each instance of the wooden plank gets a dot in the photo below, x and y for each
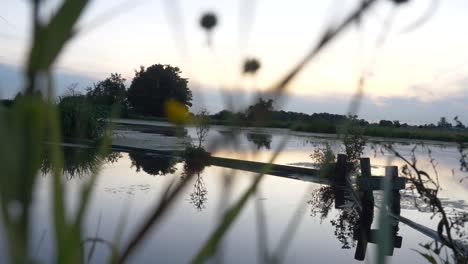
(304, 174)
(258, 166)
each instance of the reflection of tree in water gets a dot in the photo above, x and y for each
(345, 224)
(260, 140)
(80, 162)
(196, 159)
(198, 196)
(153, 164)
(346, 219)
(321, 202)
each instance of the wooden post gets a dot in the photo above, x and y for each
(365, 167)
(340, 169)
(394, 199)
(339, 180)
(392, 172)
(362, 233)
(393, 204)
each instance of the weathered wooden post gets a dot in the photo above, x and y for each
(362, 233)
(340, 169)
(394, 201)
(339, 180)
(393, 205)
(365, 167)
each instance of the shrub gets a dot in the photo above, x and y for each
(79, 118)
(196, 159)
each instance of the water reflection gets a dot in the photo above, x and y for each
(199, 194)
(79, 162)
(195, 161)
(353, 222)
(153, 164)
(259, 140)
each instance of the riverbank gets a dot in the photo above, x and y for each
(412, 133)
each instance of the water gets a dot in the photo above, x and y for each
(129, 188)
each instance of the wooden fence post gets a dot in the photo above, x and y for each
(365, 167)
(341, 169)
(362, 233)
(393, 204)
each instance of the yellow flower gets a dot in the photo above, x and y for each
(176, 112)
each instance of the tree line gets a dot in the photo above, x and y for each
(152, 87)
(262, 112)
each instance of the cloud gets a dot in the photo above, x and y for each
(451, 84)
(12, 82)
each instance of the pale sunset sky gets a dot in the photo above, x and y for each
(418, 73)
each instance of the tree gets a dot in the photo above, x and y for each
(260, 111)
(202, 126)
(443, 123)
(385, 123)
(154, 86)
(459, 123)
(110, 92)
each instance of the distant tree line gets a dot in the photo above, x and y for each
(152, 87)
(262, 113)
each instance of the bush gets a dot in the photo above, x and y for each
(196, 159)
(79, 118)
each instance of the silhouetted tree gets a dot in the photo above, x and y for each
(202, 126)
(223, 115)
(153, 86)
(385, 123)
(260, 111)
(443, 123)
(459, 123)
(111, 91)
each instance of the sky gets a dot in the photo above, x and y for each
(415, 72)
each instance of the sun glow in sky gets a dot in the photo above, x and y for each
(428, 61)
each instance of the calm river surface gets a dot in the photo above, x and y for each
(129, 188)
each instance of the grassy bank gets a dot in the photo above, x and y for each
(393, 132)
(326, 127)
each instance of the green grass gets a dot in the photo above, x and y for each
(417, 133)
(327, 127)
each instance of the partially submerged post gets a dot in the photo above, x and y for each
(366, 214)
(365, 167)
(340, 170)
(339, 180)
(392, 198)
(364, 234)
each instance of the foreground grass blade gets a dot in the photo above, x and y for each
(50, 39)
